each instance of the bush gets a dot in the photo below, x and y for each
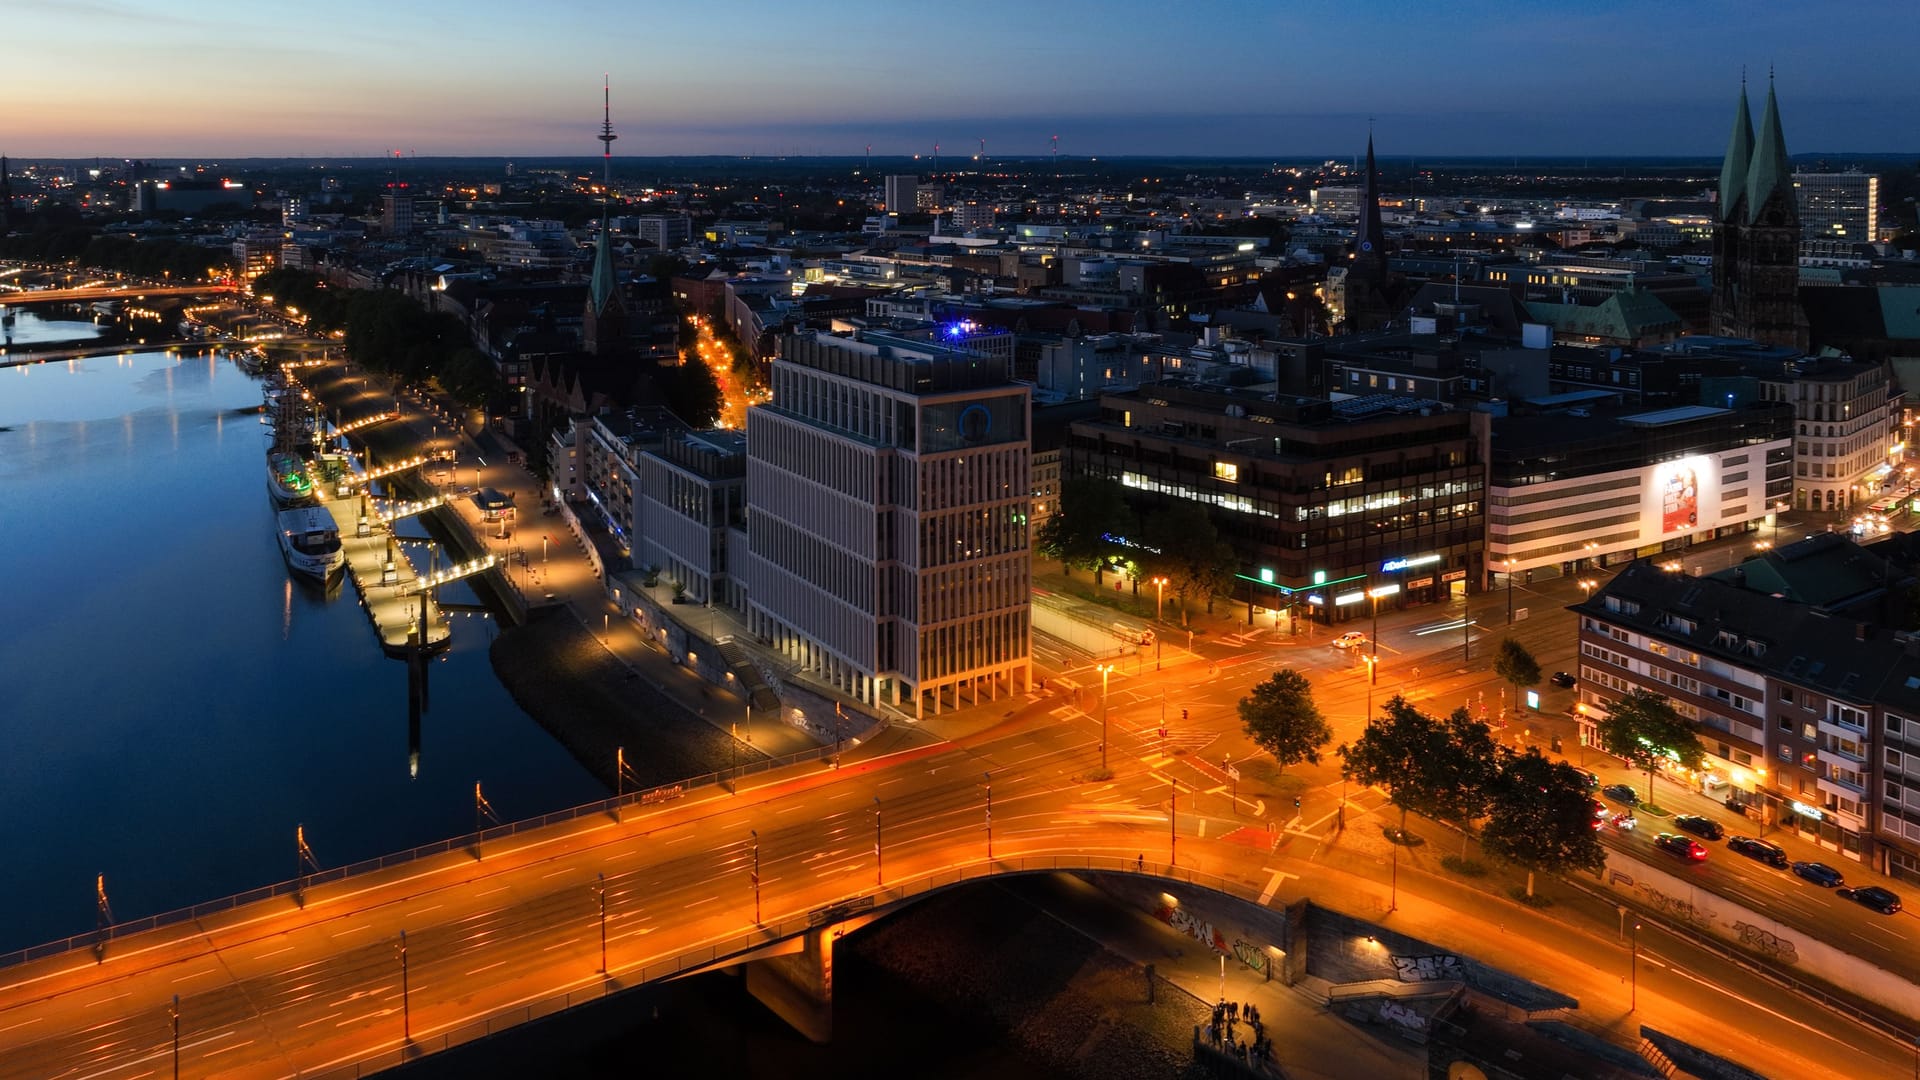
(1519, 893)
(1464, 866)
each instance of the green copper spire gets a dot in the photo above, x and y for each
(1770, 173)
(1733, 173)
(601, 291)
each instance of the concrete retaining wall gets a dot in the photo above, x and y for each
(1765, 938)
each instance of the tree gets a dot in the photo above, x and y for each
(691, 393)
(1281, 718)
(1541, 817)
(470, 378)
(1643, 727)
(1442, 769)
(1183, 545)
(1516, 665)
(1080, 532)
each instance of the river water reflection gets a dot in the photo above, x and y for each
(172, 705)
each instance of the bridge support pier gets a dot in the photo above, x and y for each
(798, 987)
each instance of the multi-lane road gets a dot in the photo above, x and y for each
(276, 989)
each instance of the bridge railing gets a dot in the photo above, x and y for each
(647, 797)
(733, 946)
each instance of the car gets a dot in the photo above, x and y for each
(1587, 778)
(1884, 901)
(1562, 679)
(1699, 826)
(1622, 793)
(1352, 639)
(1819, 873)
(1684, 846)
(1755, 848)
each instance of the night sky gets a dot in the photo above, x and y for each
(1115, 77)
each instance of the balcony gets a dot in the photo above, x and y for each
(1833, 755)
(1841, 788)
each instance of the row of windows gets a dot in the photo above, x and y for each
(972, 534)
(959, 593)
(970, 646)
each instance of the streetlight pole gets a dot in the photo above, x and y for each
(755, 833)
(879, 874)
(1105, 670)
(1633, 1001)
(1509, 592)
(1159, 598)
(1173, 834)
(603, 924)
(406, 1000)
(989, 779)
(175, 1013)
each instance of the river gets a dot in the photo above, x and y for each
(172, 704)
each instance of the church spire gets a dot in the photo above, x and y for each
(1771, 173)
(1370, 242)
(1733, 172)
(604, 331)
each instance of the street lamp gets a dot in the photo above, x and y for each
(1105, 670)
(175, 1013)
(603, 924)
(406, 1003)
(1509, 592)
(1173, 813)
(989, 779)
(755, 833)
(1633, 1001)
(1159, 597)
(879, 876)
(1587, 585)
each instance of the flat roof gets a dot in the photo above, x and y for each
(1678, 415)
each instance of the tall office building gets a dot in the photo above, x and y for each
(396, 210)
(1838, 211)
(900, 193)
(887, 535)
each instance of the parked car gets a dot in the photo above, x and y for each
(1819, 873)
(1592, 781)
(1699, 826)
(1684, 846)
(1755, 848)
(1621, 793)
(1352, 639)
(1884, 901)
(1561, 678)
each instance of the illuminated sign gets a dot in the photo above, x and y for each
(1683, 497)
(1348, 598)
(1383, 590)
(1319, 577)
(1317, 600)
(1391, 565)
(1266, 574)
(1533, 700)
(1804, 810)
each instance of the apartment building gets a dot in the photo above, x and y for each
(1806, 703)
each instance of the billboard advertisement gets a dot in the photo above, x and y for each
(1682, 497)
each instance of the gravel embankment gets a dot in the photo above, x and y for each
(1062, 998)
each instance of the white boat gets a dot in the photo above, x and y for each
(311, 543)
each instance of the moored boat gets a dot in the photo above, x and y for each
(311, 543)
(287, 479)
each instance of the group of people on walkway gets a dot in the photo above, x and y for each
(1227, 1015)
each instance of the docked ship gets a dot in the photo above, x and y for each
(287, 479)
(311, 543)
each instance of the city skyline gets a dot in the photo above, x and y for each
(1228, 79)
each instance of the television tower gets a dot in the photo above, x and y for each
(1056, 157)
(869, 167)
(606, 135)
(983, 148)
(936, 158)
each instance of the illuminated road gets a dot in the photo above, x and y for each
(88, 293)
(273, 989)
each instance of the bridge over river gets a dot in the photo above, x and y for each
(352, 970)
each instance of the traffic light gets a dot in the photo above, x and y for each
(1183, 714)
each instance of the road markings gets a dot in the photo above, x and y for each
(275, 952)
(1273, 883)
(23, 1023)
(697, 903)
(225, 1049)
(489, 967)
(490, 892)
(102, 1001)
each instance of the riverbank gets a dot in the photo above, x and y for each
(592, 703)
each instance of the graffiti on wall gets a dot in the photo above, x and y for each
(1435, 967)
(1198, 929)
(1674, 907)
(1767, 943)
(1395, 1013)
(1251, 955)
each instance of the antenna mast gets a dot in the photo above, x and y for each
(606, 136)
